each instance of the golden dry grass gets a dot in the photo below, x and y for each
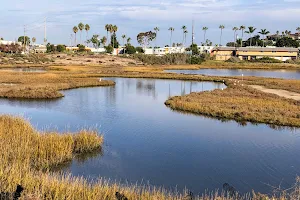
(43, 85)
(240, 103)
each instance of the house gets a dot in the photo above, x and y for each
(250, 53)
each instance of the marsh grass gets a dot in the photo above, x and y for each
(240, 103)
(44, 85)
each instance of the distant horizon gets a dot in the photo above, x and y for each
(133, 17)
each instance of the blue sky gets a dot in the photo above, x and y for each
(134, 16)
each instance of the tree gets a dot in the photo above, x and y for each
(81, 48)
(287, 42)
(221, 27)
(81, 27)
(254, 40)
(171, 29)
(130, 49)
(194, 49)
(60, 48)
(156, 29)
(204, 30)
(75, 30)
(114, 30)
(108, 29)
(139, 50)
(264, 32)
(144, 39)
(235, 29)
(109, 49)
(87, 28)
(242, 28)
(33, 40)
(250, 31)
(114, 41)
(95, 41)
(103, 40)
(128, 40)
(298, 30)
(21, 39)
(183, 35)
(124, 37)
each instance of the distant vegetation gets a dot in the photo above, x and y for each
(169, 59)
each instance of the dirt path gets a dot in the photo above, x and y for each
(282, 93)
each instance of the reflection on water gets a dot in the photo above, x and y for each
(146, 141)
(285, 74)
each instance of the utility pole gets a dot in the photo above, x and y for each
(45, 31)
(193, 33)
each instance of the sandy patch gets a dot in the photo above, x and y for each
(282, 93)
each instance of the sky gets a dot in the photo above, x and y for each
(135, 16)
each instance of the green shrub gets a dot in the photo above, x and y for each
(109, 49)
(81, 48)
(61, 48)
(266, 60)
(130, 49)
(233, 60)
(140, 50)
(169, 59)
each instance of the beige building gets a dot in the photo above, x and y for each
(251, 53)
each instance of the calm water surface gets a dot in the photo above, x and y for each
(146, 141)
(285, 74)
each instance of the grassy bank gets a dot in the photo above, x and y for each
(43, 85)
(248, 65)
(26, 156)
(240, 103)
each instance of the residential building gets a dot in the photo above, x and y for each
(250, 53)
(205, 49)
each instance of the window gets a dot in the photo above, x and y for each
(273, 51)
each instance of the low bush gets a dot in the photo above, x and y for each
(169, 59)
(266, 60)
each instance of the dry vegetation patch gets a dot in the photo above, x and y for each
(240, 104)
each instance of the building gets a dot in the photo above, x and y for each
(251, 53)
(39, 48)
(4, 42)
(205, 49)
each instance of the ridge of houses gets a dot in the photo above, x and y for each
(220, 53)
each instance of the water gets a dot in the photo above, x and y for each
(284, 74)
(146, 141)
(36, 70)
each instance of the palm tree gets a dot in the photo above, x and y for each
(114, 29)
(128, 40)
(242, 28)
(235, 29)
(81, 27)
(204, 29)
(108, 29)
(298, 29)
(75, 30)
(185, 33)
(250, 31)
(124, 37)
(103, 40)
(156, 29)
(171, 29)
(87, 28)
(264, 32)
(183, 30)
(221, 27)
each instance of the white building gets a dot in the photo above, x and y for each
(205, 49)
(4, 42)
